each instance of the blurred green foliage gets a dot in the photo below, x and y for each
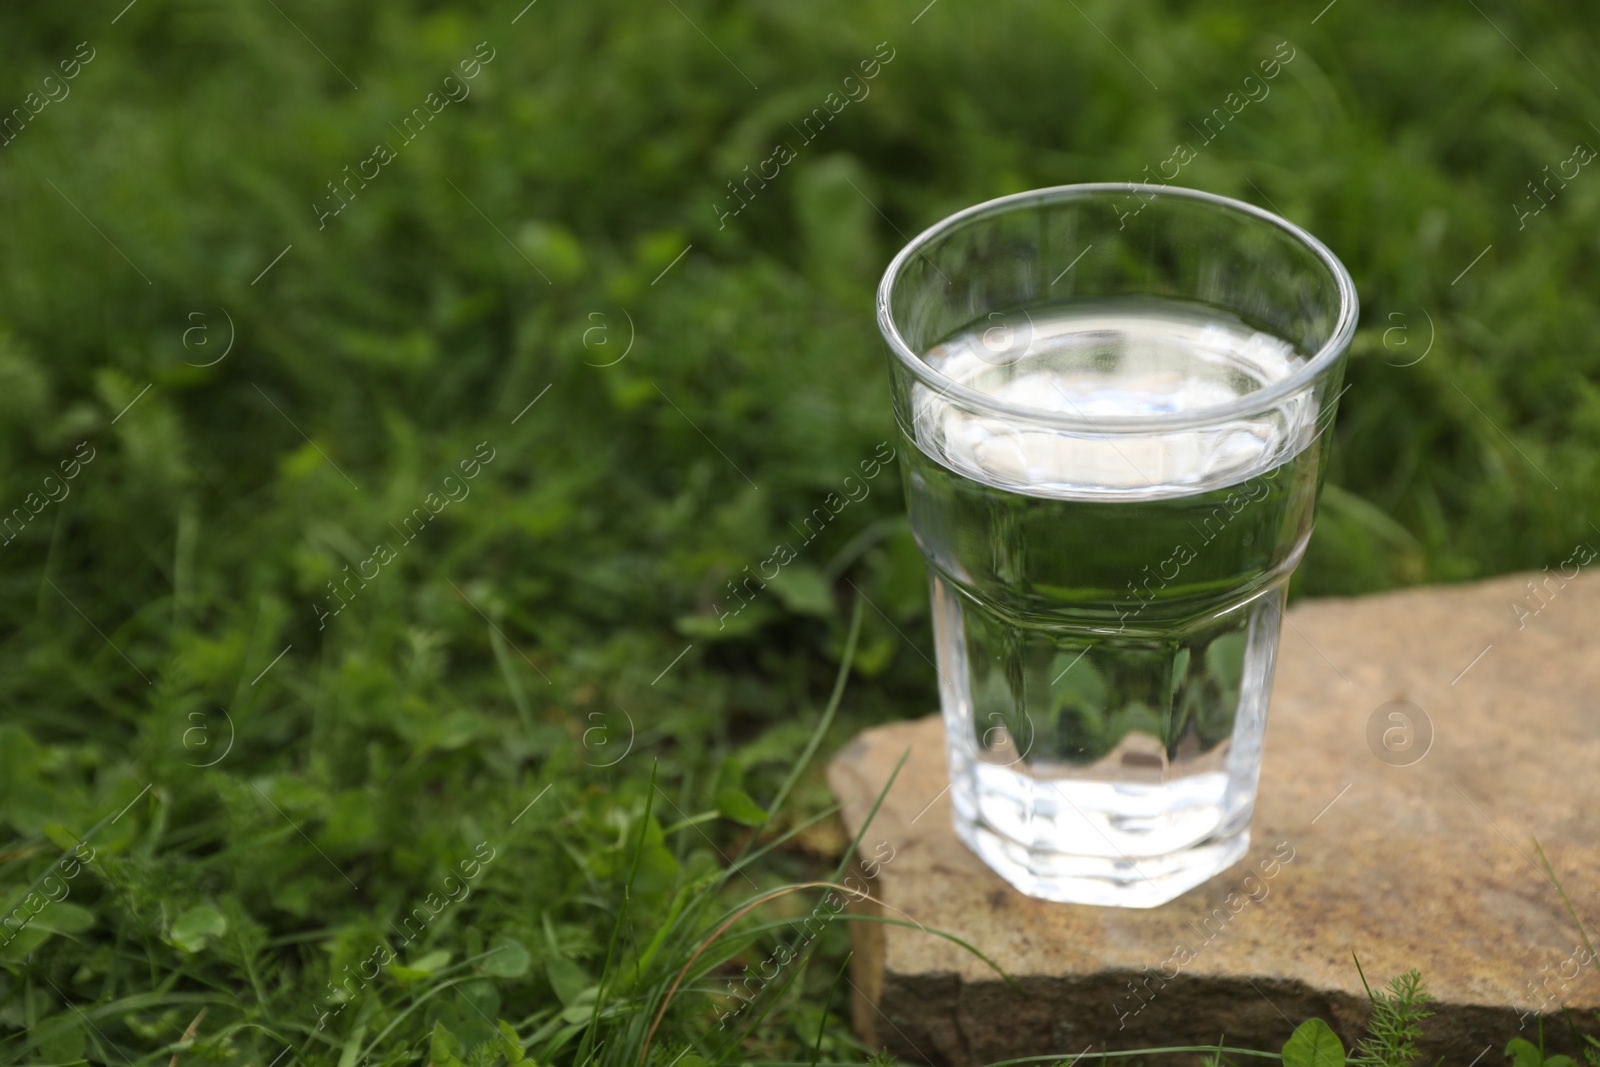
(293, 785)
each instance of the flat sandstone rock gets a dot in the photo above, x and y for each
(1427, 864)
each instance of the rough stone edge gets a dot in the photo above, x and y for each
(987, 1021)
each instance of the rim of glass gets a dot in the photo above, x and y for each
(1325, 357)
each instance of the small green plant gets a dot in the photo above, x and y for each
(1524, 1053)
(1392, 1031)
(1313, 1044)
(1397, 1015)
(1591, 1045)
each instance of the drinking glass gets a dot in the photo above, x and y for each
(1114, 401)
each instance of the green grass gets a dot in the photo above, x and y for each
(267, 791)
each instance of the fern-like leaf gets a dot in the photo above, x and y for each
(1396, 1023)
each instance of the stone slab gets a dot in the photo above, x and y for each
(1428, 865)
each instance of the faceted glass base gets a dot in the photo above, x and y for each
(1144, 882)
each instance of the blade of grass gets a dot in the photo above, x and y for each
(844, 861)
(1566, 900)
(693, 820)
(648, 956)
(782, 838)
(1572, 1026)
(586, 1046)
(746, 908)
(432, 991)
(519, 697)
(858, 545)
(352, 1045)
(750, 905)
(991, 964)
(827, 1006)
(734, 1042)
(1363, 976)
(827, 714)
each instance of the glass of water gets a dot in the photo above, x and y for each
(1115, 402)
